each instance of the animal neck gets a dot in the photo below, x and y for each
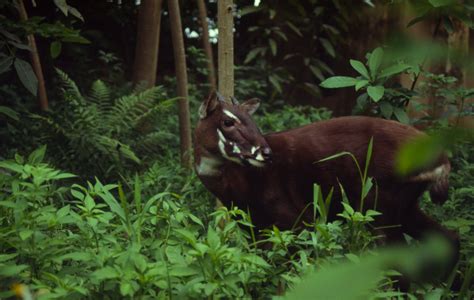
(207, 164)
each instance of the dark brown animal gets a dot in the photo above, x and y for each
(272, 175)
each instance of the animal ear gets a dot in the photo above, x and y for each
(210, 104)
(251, 105)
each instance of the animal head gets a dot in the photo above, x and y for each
(227, 130)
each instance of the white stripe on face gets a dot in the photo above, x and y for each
(236, 149)
(231, 115)
(259, 157)
(221, 136)
(254, 149)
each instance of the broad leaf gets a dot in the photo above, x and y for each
(401, 115)
(375, 60)
(359, 67)
(9, 113)
(55, 49)
(5, 64)
(338, 82)
(376, 92)
(393, 70)
(26, 75)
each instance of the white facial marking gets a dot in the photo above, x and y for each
(231, 115)
(208, 166)
(236, 149)
(259, 157)
(254, 149)
(256, 163)
(221, 136)
(222, 150)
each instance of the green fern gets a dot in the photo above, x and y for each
(102, 131)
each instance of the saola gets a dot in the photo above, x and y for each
(272, 175)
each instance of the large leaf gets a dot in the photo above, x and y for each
(393, 70)
(9, 113)
(26, 75)
(338, 82)
(376, 92)
(55, 49)
(62, 5)
(5, 64)
(375, 60)
(359, 67)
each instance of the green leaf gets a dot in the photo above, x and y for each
(375, 60)
(328, 47)
(294, 28)
(105, 273)
(393, 70)
(275, 82)
(360, 67)
(5, 64)
(9, 113)
(360, 84)
(386, 109)
(10, 270)
(338, 82)
(55, 49)
(62, 5)
(376, 92)
(273, 46)
(26, 75)
(25, 234)
(441, 3)
(317, 72)
(77, 256)
(252, 54)
(37, 156)
(75, 13)
(401, 115)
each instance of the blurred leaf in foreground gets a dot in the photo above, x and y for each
(359, 280)
(425, 150)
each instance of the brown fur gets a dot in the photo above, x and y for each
(277, 193)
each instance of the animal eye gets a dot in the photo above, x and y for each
(228, 123)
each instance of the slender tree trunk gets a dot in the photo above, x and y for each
(148, 39)
(225, 24)
(182, 78)
(35, 60)
(206, 44)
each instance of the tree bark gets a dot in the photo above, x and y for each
(148, 39)
(206, 44)
(182, 79)
(225, 24)
(35, 60)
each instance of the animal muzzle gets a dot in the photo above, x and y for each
(257, 156)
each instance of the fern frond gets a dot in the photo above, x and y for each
(69, 86)
(100, 95)
(128, 109)
(116, 149)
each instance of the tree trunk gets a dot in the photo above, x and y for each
(211, 71)
(225, 24)
(148, 39)
(182, 78)
(35, 60)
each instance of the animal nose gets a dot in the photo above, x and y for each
(267, 152)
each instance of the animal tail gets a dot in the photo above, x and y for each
(438, 177)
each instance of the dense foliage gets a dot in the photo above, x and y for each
(94, 203)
